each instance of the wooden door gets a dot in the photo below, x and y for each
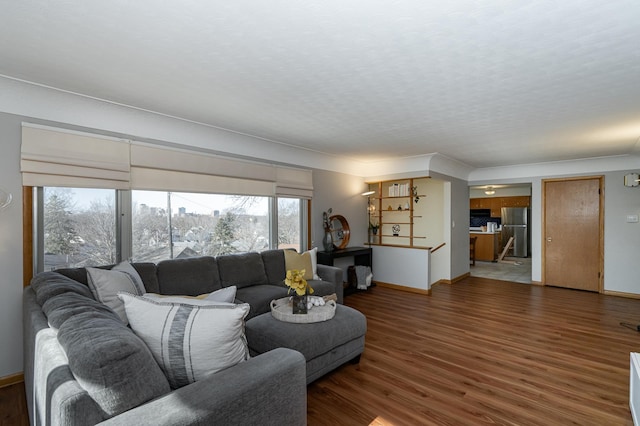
(572, 240)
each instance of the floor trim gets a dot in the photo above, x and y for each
(11, 380)
(404, 288)
(621, 294)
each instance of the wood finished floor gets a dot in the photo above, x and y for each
(476, 352)
(485, 352)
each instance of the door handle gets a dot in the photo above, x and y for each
(548, 239)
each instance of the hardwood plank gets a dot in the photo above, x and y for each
(13, 405)
(485, 352)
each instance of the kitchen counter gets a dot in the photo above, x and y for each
(486, 245)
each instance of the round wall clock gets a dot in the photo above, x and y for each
(340, 231)
(396, 230)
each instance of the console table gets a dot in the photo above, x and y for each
(361, 256)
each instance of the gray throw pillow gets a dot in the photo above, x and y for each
(105, 285)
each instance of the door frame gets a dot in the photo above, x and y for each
(600, 179)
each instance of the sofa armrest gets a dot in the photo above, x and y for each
(269, 389)
(334, 275)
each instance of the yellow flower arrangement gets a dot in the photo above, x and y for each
(295, 281)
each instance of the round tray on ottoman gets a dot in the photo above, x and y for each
(281, 310)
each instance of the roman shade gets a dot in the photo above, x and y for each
(294, 183)
(61, 157)
(56, 157)
(170, 169)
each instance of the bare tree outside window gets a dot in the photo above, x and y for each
(79, 227)
(289, 223)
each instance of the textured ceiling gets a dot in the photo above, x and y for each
(487, 82)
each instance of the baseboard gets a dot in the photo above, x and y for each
(404, 288)
(537, 283)
(621, 294)
(454, 280)
(11, 380)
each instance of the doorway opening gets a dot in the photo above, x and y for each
(503, 231)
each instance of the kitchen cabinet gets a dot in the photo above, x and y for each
(480, 203)
(496, 203)
(486, 245)
(519, 201)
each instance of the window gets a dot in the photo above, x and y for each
(79, 227)
(168, 225)
(290, 223)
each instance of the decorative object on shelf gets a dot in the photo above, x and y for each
(414, 192)
(5, 199)
(396, 230)
(340, 231)
(399, 207)
(296, 282)
(374, 226)
(389, 208)
(407, 206)
(327, 240)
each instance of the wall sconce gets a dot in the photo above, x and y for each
(5, 199)
(631, 179)
(490, 190)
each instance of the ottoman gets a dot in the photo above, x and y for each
(325, 345)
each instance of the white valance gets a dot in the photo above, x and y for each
(59, 157)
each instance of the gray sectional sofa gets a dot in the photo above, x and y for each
(83, 366)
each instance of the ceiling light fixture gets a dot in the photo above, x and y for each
(489, 190)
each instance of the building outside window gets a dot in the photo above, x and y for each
(169, 225)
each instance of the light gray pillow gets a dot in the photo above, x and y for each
(189, 340)
(105, 285)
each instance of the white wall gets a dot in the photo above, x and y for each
(621, 238)
(11, 249)
(342, 193)
(402, 266)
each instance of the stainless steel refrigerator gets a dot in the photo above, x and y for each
(515, 223)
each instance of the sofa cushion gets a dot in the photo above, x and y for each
(242, 270)
(105, 285)
(110, 362)
(265, 333)
(63, 306)
(49, 284)
(189, 341)
(301, 262)
(190, 276)
(273, 261)
(224, 295)
(259, 297)
(146, 270)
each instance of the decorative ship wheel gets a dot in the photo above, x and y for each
(340, 231)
